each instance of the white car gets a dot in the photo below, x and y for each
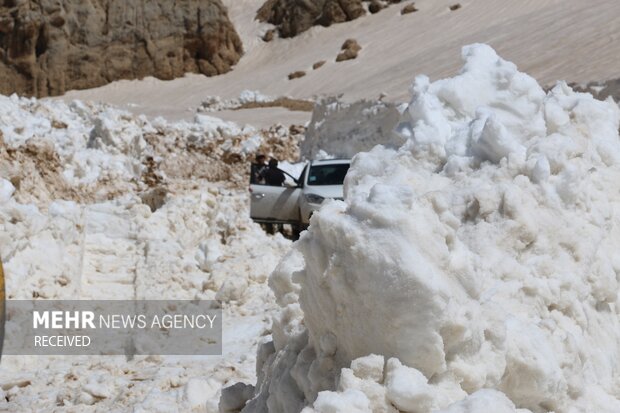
(294, 203)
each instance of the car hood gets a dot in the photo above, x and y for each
(326, 191)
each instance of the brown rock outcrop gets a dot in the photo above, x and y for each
(48, 47)
(375, 6)
(409, 8)
(296, 75)
(269, 35)
(349, 50)
(318, 64)
(296, 16)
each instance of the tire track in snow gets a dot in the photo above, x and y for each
(112, 254)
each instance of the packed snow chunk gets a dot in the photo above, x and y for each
(208, 254)
(407, 388)
(251, 145)
(250, 96)
(216, 126)
(350, 401)
(481, 254)
(114, 131)
(366, 375)
(369, 367)
(197, 392)
(281, 279)
(404, 389)
(6, 190)
(216, 103)
(483, 401)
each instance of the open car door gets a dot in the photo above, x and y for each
(274, 203)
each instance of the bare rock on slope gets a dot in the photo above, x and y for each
(269, 35)
(600, 90)
(375, 6)
(296, 75)
(48, 47)
(409, 8)
(349, 50)
(296, 16)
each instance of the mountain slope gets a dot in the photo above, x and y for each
(551, 39)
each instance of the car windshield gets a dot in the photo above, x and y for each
(327, 174)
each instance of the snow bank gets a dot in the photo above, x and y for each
(94, 142)
(478, 261)
(74, 224)
(199, 245)
(93, 152)
(216, 104)
(122, 250)
(343, 129)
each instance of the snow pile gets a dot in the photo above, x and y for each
(343, 129)
(75, 223)
(473, 269)
(92, 142)
(214, 127)
(200, 244)
(216, 103)
(89, 152)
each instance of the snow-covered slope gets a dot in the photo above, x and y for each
(572, 40)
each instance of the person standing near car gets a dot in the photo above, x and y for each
(258, 169)
(273, 176)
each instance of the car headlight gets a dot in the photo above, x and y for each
(314, 198)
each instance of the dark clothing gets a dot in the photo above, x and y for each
(273, 177)
(256, 173)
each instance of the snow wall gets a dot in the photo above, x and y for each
(342, 129)
(472, 269)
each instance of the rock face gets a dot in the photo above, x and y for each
(48, 47)
(296, 16)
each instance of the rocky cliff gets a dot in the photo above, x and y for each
(295, 16)
(50, 46)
